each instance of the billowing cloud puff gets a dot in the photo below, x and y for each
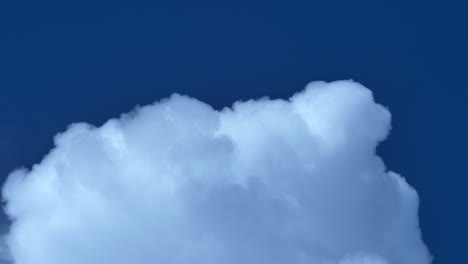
(291, 181)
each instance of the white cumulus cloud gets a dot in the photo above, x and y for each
(265, 181)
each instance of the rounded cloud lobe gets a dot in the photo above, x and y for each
(265, 181)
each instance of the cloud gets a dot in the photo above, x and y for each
(266, 181)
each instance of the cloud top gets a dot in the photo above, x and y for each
(291, 181)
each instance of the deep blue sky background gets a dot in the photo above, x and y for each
(74, 61)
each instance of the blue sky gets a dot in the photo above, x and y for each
(67, 62)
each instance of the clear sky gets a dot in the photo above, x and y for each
(63, 62)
